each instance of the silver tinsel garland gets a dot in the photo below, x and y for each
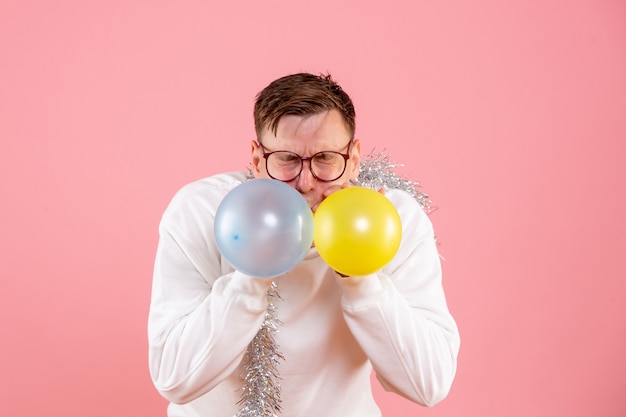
(260, 394)
(377, 172)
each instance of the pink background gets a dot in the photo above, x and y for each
(511, 114)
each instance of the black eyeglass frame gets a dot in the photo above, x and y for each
(345, 157)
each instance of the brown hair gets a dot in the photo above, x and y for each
(301, 94)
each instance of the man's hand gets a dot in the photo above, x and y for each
(329, 191)
(335, 188)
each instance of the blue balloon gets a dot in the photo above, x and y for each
(263, 228)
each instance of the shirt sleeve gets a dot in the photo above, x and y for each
(400, 316)
(202, 313)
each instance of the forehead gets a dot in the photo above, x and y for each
(320, 129)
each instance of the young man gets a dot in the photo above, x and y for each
(334, 329)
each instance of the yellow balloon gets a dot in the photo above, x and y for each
(357, 231)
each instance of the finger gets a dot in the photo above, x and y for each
(332, 189)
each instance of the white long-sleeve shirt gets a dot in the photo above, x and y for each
(203, 315)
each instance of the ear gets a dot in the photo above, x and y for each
(255, 158)
(355, 159)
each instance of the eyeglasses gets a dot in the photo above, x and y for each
(325, 166)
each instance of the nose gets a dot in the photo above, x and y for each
(305, 181)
